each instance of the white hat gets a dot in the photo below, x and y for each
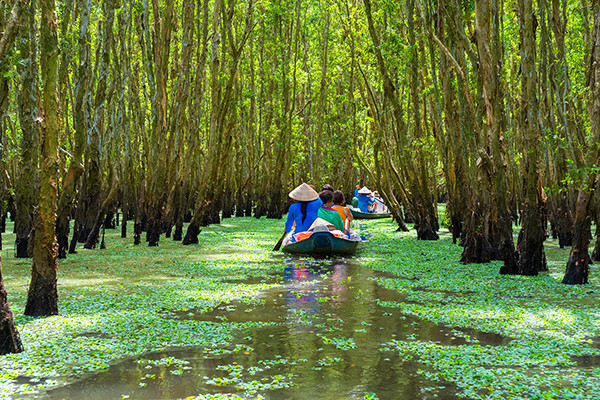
(321, 222)
(364, 190)
(304, 193)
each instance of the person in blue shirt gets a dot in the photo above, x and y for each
(303, 213)
(364, 199)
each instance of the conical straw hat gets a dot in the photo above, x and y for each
(321, 222)
(304, 193)
(364, 190)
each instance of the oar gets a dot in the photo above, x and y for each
(278, 245)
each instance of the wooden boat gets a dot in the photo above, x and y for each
(322, 243)
(357, 214)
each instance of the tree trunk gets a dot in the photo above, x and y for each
(9, 30)
(596, 252)
(42, 298)
(125, 210)
(530, 248)
(158, 185)
(478, 247)
(9, 337)
(209, 201)
(81, 113)
(450, 142)
(418, 178)
(577, 270)
(93, 236)
(65, 205)
(426, 214)
(26, 185)
(90, 198)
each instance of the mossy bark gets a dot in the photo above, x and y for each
(125, 210)
(577, 270)
(65, 204)
(42, 297)
(220, 135)
(99, 216)
(596, 251)
(91, 195)
(530, 248)
(191, 236)
(477, 247)
(9, 337)
(27, 185)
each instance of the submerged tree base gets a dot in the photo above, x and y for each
(507, 253)
(427, 233)
(92, 240)
(565, 239)
(531, 260)
(578, 269)
(178, 233)
(427, 228)
(21, 247)
(10, 341)
(596, 252)
(42, 299)
(476, 250)
(191, 236)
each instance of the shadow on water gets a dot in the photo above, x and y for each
(321, 338)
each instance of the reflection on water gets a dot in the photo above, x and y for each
(323, 341)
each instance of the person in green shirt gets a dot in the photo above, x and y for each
(329, 214)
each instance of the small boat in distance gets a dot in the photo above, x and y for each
(322, 243)
(357, 214)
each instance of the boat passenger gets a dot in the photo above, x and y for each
(364, 200)
(303, 213)
(345, 213)
(327, 186)
(379, 206)
(329, 214)
(355, 198)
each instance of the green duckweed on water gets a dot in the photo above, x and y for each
(120, 303)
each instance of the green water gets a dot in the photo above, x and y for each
(320, 334)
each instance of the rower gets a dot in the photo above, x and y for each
(364, 200)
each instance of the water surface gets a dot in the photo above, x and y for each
(322, 337)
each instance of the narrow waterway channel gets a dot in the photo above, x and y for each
(320, 334)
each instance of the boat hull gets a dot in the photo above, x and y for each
(322, 244)
(363, 215)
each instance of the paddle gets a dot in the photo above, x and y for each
(278, 245)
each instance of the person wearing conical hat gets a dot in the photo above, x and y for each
(364, 199)
(304, 212)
